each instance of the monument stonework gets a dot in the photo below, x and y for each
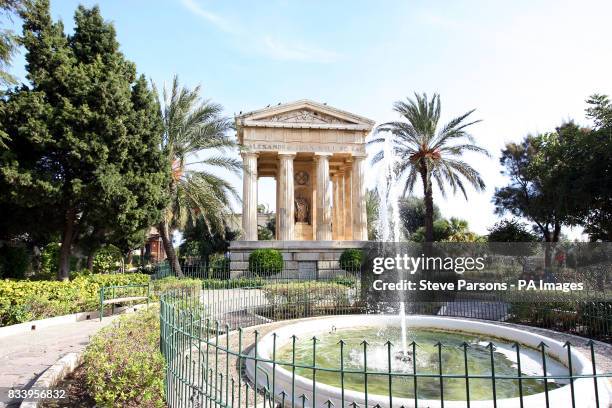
(317, 155)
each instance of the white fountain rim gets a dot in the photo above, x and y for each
(311, 326)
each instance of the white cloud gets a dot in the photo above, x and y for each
(218, 21)
(296, 52)
(264, 44)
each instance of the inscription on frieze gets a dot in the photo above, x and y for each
(306, 147)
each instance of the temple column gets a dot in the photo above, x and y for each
(249, 196)
(324, 231)
(340, 205)
(348, 203)
(360, 219)
(286, 202)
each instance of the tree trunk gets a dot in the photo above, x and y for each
(63, 272)
(90, 259)
(164, 232)
(429, 209)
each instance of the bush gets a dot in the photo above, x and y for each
(232, 284)
(22, 301)
(219, 267)
(265, 262)
(173, 283)
(303, 299)
(107, 259)
(123, 364)
(351, 259)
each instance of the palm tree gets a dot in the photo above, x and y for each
(431, 154)
(196, 144)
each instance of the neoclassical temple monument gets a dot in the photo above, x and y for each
(317, 155)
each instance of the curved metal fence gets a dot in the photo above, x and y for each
(210, 342)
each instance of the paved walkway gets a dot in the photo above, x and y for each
(24, 357)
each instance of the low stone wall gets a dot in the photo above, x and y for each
(303, 259)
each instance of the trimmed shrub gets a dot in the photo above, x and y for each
(107, 259)
(256, 282)
(303, 299)
(22, 301)
(123, 364)
(265, 262)
(351, 259)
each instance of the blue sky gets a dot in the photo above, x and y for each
(526, 66)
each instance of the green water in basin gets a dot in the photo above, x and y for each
(427, 362)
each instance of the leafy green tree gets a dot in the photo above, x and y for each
(510, 231)
(195, 142)
(582, 172)
(412, 214)
(85, 134)
(426, 151)
(533, 191)
(8, 39)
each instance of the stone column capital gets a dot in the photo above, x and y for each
(286, 155)
(248, 154)
(322, 154)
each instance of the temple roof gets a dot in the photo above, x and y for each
(303, 114)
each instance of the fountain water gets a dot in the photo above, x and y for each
(388, 210)
(389, 221)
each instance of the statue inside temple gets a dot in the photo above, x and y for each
(301, 210)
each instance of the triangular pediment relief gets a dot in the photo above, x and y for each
(304, 115)
(304, 112)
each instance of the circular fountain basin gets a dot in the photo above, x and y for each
(423, 330)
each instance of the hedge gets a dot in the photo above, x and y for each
(123, 364)
(265, 262)
(23, 301)
(302, 299)
(351, 259)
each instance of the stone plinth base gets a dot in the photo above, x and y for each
(303, 259)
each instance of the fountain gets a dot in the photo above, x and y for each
(440, 350)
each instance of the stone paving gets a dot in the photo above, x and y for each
(25, 356)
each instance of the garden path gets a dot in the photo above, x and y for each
(25, 356)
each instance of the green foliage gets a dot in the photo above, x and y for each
(107, 259)
(173, 283)
(8, 43)
(372, 213)
(256, 282)
(85, 133)
(431, 153)
(22, 301)
(265, 262)
(351, 259)
(201, 241)
(218, 267)
(303, 299)
(264, 233)
(453, 230)
(195, 126)
(49, 259)
(412, 214)
(123, 363)
(14, 261)
(510, 231)
(532, 192)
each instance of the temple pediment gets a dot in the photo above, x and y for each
(303, 114)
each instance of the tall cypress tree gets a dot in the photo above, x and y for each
(85, 134)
